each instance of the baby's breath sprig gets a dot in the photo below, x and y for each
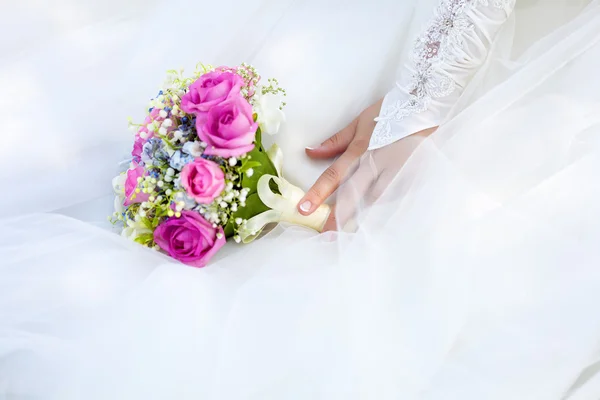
(273, 87)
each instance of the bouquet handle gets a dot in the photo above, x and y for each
(283, 208)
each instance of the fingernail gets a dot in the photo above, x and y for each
(309, 148)
(306, 206)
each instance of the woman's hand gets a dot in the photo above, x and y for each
(350, 143)
(370, 179)
(367, 178)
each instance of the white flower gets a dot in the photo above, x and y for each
(134, 229)
(119, 207)
(118, 184)
(270, 116)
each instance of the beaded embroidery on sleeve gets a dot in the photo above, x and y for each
(440, 43)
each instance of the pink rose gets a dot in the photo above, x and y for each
(229, 129)
(131, 184)
(209, 90)
(203, 180)
(190, 239)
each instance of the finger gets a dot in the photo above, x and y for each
(335, 145)
(328, 182)
(352, 194)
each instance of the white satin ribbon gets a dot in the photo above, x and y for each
(283, 206)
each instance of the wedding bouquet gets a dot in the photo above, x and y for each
(199, 173)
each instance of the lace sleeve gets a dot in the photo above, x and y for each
(445, 57)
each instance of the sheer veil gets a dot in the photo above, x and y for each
(474, 275)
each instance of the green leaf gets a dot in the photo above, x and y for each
(147, 223)
(144, 239)
(246, 165)
(264, 166)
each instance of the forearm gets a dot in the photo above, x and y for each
(446, 55)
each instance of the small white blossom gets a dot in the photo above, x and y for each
(237, 239)
(232, 161)
(167, 123)
(250, 172)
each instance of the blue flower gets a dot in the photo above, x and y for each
(153, 151)
(193, 149)
(179, 160)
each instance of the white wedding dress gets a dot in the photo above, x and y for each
(475, 276)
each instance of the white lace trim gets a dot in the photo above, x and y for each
(441, 42)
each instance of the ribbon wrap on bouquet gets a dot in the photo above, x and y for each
(283, 205)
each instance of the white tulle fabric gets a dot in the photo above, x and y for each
(474, 277)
